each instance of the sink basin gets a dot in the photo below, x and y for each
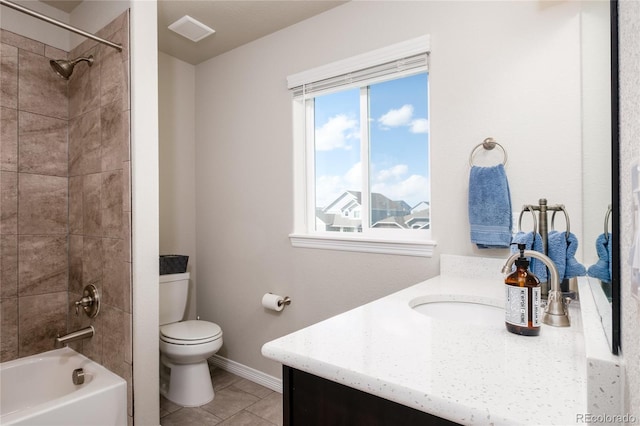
(462, 311)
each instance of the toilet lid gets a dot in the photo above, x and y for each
(191, 330)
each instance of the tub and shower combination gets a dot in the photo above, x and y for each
(61, 386)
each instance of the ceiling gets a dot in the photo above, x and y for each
(236, 22)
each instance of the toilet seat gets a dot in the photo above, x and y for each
(193, 332)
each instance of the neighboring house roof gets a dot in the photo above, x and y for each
(422, 205)
(378, 201)
(386, 213)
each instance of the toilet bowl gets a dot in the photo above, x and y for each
(184, 346)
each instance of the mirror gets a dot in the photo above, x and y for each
(600, 123)
(615, 183)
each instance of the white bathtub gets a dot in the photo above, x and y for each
(39, 390)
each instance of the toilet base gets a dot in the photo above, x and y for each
(188, 385)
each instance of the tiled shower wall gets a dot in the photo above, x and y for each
(66, 199)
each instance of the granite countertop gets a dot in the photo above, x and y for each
(458, 370)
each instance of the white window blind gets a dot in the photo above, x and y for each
(407, 57)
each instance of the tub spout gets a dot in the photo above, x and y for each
(84, 333)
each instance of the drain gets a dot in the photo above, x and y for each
(78, 376)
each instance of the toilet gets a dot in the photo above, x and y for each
(184, 346)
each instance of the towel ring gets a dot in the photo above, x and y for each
(566, 218)
(488, 144)
(535, 220)
(606, 224)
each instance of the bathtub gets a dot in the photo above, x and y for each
(39, 390)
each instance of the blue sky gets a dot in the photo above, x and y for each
(398, 131)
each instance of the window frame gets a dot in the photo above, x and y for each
(401, 242)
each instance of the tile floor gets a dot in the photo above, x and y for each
(238, 402)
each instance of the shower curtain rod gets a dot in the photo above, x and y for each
(68, 27)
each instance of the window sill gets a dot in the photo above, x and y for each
(421, 248)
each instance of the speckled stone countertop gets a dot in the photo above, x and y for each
(461, 371)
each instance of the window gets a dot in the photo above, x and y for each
(361, 143)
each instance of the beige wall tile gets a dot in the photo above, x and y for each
(76, 254)
(42, 264)
(92, 261)
(112, 204)
(9, 143)
(113, 335)
(91, 205)
(76, 193)
(126, 236)
(112, 129)
(127, 279)
(84, 87)
(40, 90)
(8, 76)
(84, 144)
(126, 138)
(21, 42)
(9, 206)
(55, 53)
(40, 319)
(8, 266)
(114, 76)
(43, 204)
(8, 329)
(113, 273)
(126, 186)
(43, 145)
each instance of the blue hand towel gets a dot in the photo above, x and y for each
(557, 250)
(531, 242)
(609, 256)
(489, 207)
(574, 268)
(601, 270)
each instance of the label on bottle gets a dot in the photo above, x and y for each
(516, 305)
(536, 302)
(516, 309)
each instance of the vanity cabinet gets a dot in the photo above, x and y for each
(309, 400)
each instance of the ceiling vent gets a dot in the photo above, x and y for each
(190, 28)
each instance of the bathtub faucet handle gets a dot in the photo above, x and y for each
(90, 301)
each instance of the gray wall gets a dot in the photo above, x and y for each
(494, 72)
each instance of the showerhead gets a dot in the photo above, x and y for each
(64, 67)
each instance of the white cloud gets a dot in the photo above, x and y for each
(394, 172)
(328, 188)
(336, 132)
(353, 178)
(420, 125)
(397, 117)
(396, 185)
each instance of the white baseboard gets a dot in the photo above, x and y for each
(245, 372)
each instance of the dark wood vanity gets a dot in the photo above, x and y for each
(309, 400)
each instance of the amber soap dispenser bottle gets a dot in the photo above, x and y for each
(522, 299)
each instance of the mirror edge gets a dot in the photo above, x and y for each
(615, 181)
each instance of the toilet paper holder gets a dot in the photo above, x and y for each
(275, 302)
(286, 301)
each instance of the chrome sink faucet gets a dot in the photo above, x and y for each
(555, 313)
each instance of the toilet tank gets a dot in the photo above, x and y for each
(174, 290)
